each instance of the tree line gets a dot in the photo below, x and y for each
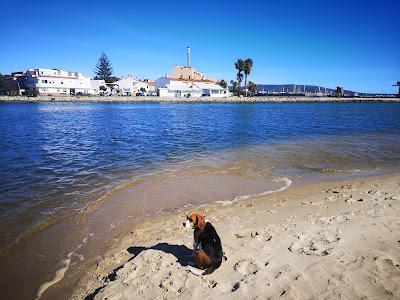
(104, 71)
(244, 67)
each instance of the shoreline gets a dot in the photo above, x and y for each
(151, 99)
(309, 226)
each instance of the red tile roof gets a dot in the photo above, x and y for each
(191, 80)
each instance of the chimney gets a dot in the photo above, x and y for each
(188, 57)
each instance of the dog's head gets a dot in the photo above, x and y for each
(195, 220)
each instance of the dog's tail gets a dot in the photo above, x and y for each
(199, 272)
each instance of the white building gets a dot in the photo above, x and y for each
(176, 87)
(58, 82)
(146, 87)
(130, 86)
(125, 85)
(99, 87)
(186, 81)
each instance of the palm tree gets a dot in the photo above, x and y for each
(234, 85)
(248, 68)
(239, 65)
(252, 87)
(239, 78)
(223, 83)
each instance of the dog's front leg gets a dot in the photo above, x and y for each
(191, 261)
(195, 245)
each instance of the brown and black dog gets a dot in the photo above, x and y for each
(207, 248)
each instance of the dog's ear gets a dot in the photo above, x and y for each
(201, 221)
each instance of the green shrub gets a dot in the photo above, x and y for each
(31, 93)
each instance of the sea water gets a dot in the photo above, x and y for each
(69, 171)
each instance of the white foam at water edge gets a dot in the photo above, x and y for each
(61, 272)
(287, 181)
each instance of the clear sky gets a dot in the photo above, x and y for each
(355, 44)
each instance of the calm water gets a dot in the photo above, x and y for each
(59, 159)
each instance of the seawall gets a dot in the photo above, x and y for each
(176, 99)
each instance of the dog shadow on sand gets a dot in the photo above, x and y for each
(181, 252)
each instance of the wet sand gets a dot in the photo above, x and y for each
(321, 240)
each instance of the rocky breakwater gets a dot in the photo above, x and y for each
(178, 99)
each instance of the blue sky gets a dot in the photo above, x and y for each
(349, 43)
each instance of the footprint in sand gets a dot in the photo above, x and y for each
(240, 235)
(331, 198)
(288, 223)
(340, 218)
(394, 197)
(281, 271)
(247, 205)
(212, 284)
(280, 203)
(388, 265)
(376, 192)
(313, 202)
(319, 244)
(246, 267)
(344, 217)
(388, 273)
(350, 200)
(340, 189)
(262, 235)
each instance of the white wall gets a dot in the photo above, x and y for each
(178, 88)
(96, 84)
(52, 81)
(164, 92)
(220, 94)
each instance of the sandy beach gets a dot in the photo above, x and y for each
(123, 129)
(318, 241)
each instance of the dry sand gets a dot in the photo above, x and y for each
(321, 241)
